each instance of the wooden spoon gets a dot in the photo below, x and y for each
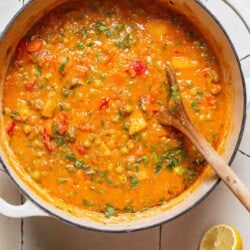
(175, 115)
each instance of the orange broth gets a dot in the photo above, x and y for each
(81, 97)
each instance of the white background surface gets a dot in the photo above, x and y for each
(183, 233)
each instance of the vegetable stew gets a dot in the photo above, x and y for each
(81, 97)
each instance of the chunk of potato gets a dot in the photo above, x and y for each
(104, 149)
(137, 122)
(159, 28)
(181, 62)
(49, 106)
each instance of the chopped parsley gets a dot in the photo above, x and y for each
(63, 65)
(109, 211)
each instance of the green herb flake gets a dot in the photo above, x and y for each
(119, 27)
(75, 85)
(175, 93)
(63, 65)
(142, 159)
(123, 42)
(14, 114)
(80, 165)
(38, 70)
(194, 106)
(69, 156)
(126, 126)
(158, 167)
(89, 79)
(134, 182)
(90, 171)
(80, 45)
(173, 162)
(101, 27)
(99, 56)
(61, 180)
(129, 209)
(190, 175)
(103, 75)
(109, 211)
(89, 43)
(120, 112)
(137, 168)
(160, 202)
(87, 203)
(65, 92)
(59, 139)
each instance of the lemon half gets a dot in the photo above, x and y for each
(221, 237)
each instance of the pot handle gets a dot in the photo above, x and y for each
(28, 209)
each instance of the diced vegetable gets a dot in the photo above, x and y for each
(63, 65)
(181, 62)
(105, 149)
(34, 46)
(139, 67)
(109, 211)
(81, 149)
(137, 122)
(104, 103)
(46, 140)
(31, 83)
(63, 123)
(216, 89)
(10, 128)
(158, 28)
(49, 106)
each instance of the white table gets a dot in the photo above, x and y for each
(183, 233)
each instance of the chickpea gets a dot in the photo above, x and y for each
(65, 40)
(110, 166)
(128, 109)
(47, 76)
(142, 175)
(98, 84)
(216, 89)
(201, 117)
(130, 145)
(123, 179)
(36, 176)
(119, 169)
(27, 129)
(124, 150)
(38, 104)
(87, 144)
(66, 27)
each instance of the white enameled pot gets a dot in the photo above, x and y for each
(231, 72)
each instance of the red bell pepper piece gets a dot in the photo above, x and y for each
(46, 140)
(81, 149)
(10, 128)
(31, 83)
(63, 123)
(104, 103)
(34, 46)
(139, 67)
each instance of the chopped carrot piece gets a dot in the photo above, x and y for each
(34, 46)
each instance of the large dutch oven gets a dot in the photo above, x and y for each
(231, 72)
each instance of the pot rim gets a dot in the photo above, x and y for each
(79, 225)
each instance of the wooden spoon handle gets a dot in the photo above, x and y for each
(219, 165)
